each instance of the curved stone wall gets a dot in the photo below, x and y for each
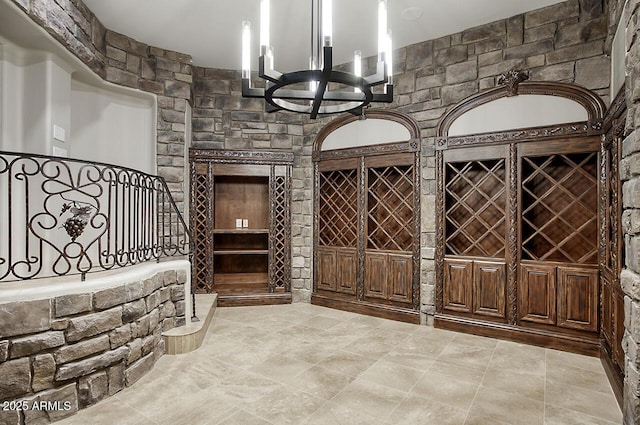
(66, 352)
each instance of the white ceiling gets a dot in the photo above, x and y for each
(209, 30)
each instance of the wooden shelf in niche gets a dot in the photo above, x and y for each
(247, 262)
(241, 242)
(242, 252)
(240, 231)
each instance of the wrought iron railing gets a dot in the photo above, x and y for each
(62, 216)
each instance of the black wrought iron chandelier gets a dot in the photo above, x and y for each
(308, 91)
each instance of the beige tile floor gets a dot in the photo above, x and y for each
(309, 365)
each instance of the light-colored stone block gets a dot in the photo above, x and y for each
(24, 317)
(16, 378)
(90, 365)
(32, 344)
(93, 324)
(81, 349)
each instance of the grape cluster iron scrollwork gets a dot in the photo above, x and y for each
(80, 215)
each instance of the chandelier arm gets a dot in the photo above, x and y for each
(248, 91)
(324, 80)
(267, 73)
(384, 97)
(380, 77)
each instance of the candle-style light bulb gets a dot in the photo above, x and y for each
(264, 26)
(327, 23)
(357, 67)
(389, 58)
(382, 27)
(313, 85)
(246, 49)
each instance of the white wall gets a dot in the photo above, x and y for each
(371, 131)
(11, 95)
(510, 113)
(114, 127)
(34, 95)
(100, 122)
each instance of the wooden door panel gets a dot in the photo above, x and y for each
(400, 277)
(347, 261)
(607, 312)
(489, 284)
(327, 269)
(375, 276)
(458, 275)
(578, 298)
(537, 294)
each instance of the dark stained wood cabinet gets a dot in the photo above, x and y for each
(476, 288)
(248, 262)
(519, 224)
(368, 230)
(347, 265)
(475, 200)
(578, 298)
(552, 212)
(489, 289)
(327, 269)
(400, 269)
(375, 271)
(458, 278)
(537, 294)
(337, 270)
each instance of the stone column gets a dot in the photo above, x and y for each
(630, 174)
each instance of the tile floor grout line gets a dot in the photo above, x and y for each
(409, 391)
(480, 384)
(231, 413)
(544, 390)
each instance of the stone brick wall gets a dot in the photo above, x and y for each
(122, 60)
(83, 347)
(630, 174)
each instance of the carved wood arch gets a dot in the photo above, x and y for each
(514, 85)
(361, 182)
(381, 114)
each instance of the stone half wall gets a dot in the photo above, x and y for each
(80, 348)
